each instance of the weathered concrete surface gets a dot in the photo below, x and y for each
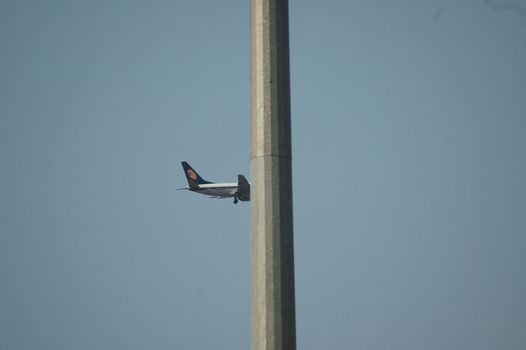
(273, 299)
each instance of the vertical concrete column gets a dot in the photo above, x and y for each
(273, 299)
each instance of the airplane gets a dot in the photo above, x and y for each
(240, 191)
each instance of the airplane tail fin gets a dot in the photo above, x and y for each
(192, 176)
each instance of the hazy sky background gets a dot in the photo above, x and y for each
(409, 157)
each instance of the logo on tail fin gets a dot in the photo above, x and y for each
(191, 174)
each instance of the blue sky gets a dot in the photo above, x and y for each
(409, 136)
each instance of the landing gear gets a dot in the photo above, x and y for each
(235, 200)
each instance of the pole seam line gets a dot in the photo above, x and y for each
(272, 156)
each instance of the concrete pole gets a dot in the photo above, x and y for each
(273, 300)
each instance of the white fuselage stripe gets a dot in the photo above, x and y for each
(218, 189)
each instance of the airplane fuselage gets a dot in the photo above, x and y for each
(217, 189)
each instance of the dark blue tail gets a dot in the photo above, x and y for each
(192, 176)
